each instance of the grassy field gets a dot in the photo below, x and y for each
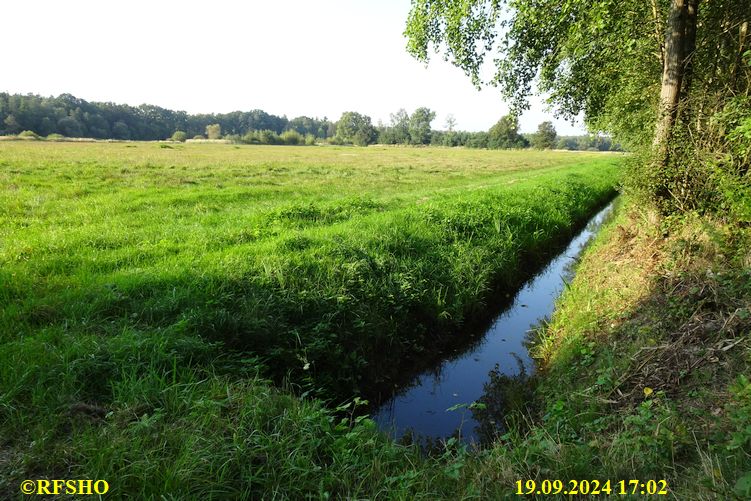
(146, 290)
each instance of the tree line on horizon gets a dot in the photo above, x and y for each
(68, 116)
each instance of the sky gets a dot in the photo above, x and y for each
(289, 57)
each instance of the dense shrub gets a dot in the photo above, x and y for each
(478, 140)
(708, 173)
(292, 137)
(28, 134)
(214, 131)
(179, 136)
(262, 137)
(337, 140)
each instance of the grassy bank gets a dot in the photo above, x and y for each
(646, 364)
(148, 293)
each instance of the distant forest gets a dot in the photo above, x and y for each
(69, 116)
(73, 117)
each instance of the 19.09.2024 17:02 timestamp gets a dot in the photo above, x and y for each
(591, 487)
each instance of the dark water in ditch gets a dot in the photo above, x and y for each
(436, 405)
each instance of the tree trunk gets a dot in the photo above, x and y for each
(742, 35)
(689, 46)
(672, 77)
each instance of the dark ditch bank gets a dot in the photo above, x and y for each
(459, 395)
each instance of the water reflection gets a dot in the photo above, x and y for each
(441, 402)
(502, 394)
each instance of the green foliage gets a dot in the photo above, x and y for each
(179, 136)
(604, 60)
(544, 138)
(577, 51)
(398, 133)
(592, 142)
(468, 28)
(505, 134)
(566, 143)
(652, 433)
(479, 140)
(214, 131)
(28, 134)
(289, 137)
(70, 127)
(707, 173)
(406, 129)
(355, 128)
(292, 137)
(419, 126)
(262, 137)
(731, 129)
(740, 415)
(76, 117)
(310, 126)
(336, 140)
(120, 130)
(11, 124)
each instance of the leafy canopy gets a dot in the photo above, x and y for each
(505, 133)
(544, 138)
(356, 128)
(599, 58)
(419, 125)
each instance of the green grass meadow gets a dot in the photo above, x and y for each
(161, 305)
